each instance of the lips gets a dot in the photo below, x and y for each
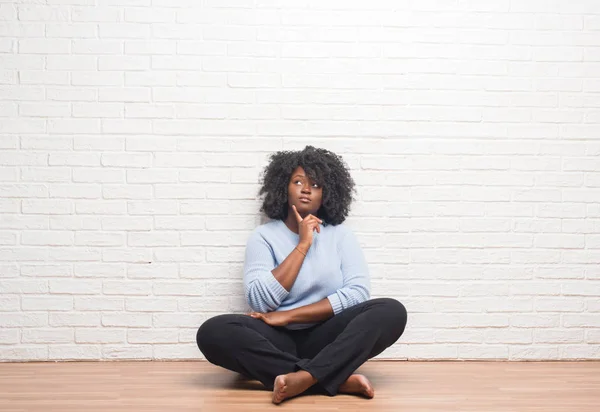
(304, 199)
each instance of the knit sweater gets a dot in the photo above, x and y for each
(334, 268)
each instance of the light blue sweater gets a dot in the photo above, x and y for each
(334, 268)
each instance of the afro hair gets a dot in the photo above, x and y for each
(325, 168)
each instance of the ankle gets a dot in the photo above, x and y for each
(305, 376)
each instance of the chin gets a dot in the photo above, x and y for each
(307, 210)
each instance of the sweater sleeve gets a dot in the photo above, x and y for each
(263, 292)
(356, 286)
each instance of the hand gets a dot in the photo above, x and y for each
(272, 318)
(306, 226)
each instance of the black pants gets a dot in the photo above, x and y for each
(330, 351)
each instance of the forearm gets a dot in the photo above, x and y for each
(287, 272)
(315, 312)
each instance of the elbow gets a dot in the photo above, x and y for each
(363, 294)
(252, 302)
(263, 292)
(257, 301)
(358, 294)
(353, 295)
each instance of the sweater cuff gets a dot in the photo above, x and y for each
(273, 286)
(335, 302)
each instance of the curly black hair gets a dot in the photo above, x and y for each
(325, 168)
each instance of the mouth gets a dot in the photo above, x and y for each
(304, 199)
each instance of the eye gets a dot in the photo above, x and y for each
(315, 185)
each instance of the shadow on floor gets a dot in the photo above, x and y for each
(216, 378)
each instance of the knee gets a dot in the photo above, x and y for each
(204, 334)
(212, 334)
(393, 313)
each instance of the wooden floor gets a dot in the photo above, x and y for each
(200, 386)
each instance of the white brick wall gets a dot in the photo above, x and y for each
(132, 134)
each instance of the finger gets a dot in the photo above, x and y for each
(298, 217)
(311, 223)
(311, 219)
(313, 226)
(313, 216)
(317, 223)
(320, 221)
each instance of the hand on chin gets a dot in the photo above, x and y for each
(304, 209)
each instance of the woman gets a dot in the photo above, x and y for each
(307, 282)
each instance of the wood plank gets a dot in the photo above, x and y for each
(200, 386)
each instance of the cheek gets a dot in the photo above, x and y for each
(293, 191)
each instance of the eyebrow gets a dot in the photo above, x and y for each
(303, 176)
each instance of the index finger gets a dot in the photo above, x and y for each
(298, 217)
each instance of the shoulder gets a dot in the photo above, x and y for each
(342, 233)
(345, 240)
(264, 231)
(342, 230)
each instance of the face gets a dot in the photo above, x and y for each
(304, 193)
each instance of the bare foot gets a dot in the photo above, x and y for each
(292, 384)
(359, 385)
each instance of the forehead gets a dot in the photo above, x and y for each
(298, 171)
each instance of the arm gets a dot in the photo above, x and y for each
(356, 287)
(287, 272)
(315, 312)
(355, 290)
(266, 286)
